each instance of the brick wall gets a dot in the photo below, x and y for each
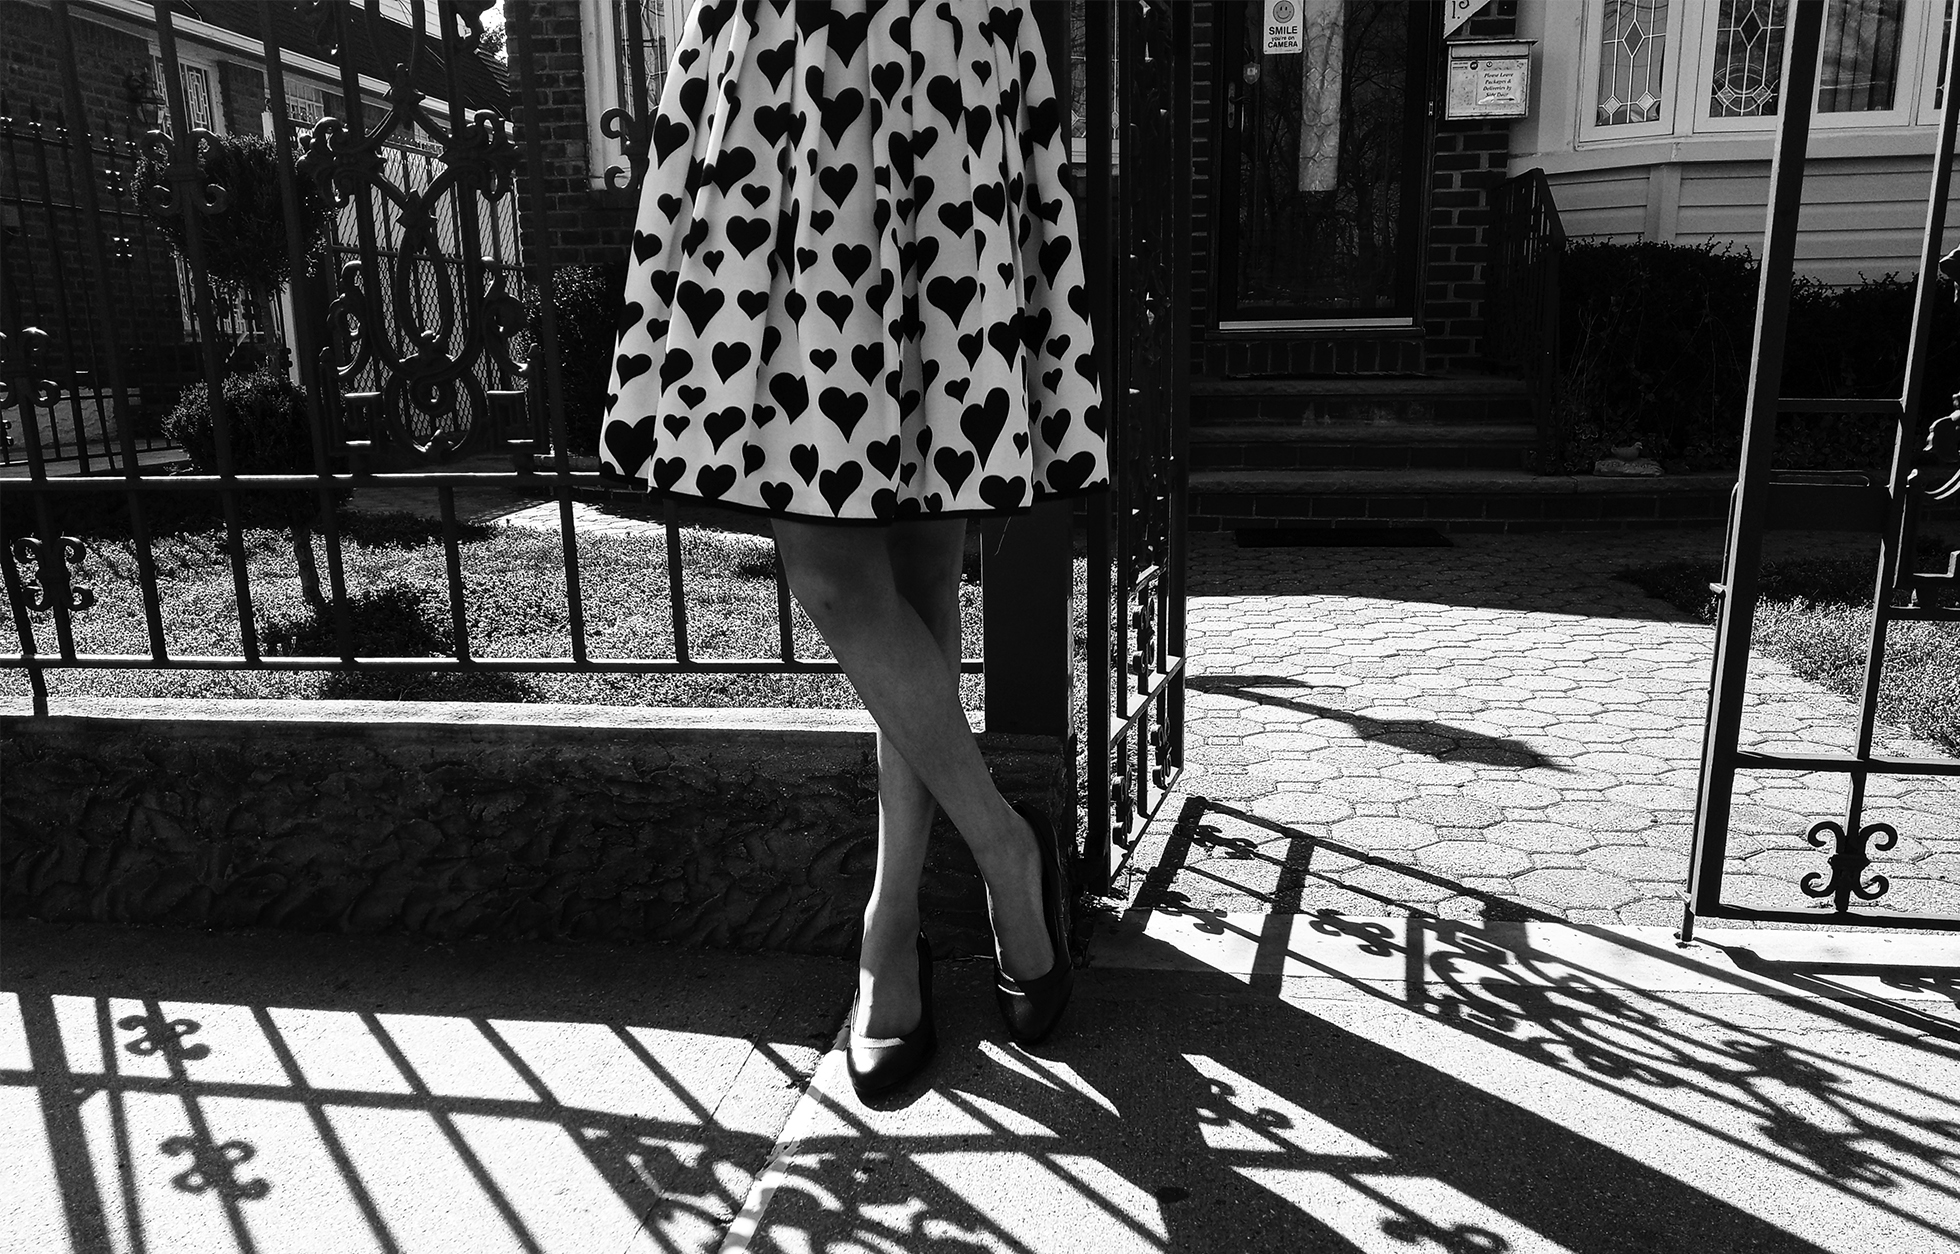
(1469, 161)
(581, 226)
(30, 74)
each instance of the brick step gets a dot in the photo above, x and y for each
(1382, 446)
(1460, 499)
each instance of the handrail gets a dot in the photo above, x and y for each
(1521, 298)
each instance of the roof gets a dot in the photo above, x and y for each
(481, 80)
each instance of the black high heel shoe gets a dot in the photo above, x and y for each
(1031, 1007)
(877, 1064)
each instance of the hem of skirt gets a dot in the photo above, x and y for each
(763, 511)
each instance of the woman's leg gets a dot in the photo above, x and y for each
(846, 579)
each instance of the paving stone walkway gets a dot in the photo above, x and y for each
(1496, 729)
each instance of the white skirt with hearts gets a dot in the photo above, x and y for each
(855, 289)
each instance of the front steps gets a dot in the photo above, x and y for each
(1450, 452)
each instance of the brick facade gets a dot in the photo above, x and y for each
(1467, 161)
(582, 226)
(242, 88)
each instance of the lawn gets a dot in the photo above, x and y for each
(514, 602)
(1814, 615)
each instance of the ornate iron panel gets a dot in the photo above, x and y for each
(1925, 468)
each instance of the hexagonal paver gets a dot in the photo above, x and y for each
(1601, 816)
(1512, 794)
(1575, 889)
(1532, 836)
(1383, 833)
(1473, 857)
(1453, 812)
(1370, 788)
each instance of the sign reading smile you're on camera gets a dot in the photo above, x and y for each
(1283, 27)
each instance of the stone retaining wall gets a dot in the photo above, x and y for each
(748, 829)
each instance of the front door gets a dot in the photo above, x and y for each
(1322, 164)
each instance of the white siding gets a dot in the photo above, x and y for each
(1610, 204)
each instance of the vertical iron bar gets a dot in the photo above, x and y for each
(306, 353)
(783, 611)
(676, 590)
(78, 130)
(1098, 255)
(37, 682)
(518, 22)
(1178, 414)
(636, 56)
(190, 196)
(459, 625)
(1743, 560)
(61, 306)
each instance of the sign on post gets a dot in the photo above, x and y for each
(1283, 27)
(1459, 12)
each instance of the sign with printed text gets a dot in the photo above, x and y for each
(1283, 26)
(1488, 80)
(1459, 12)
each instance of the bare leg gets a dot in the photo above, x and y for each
(847, 580)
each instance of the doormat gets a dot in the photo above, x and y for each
(1341, 538)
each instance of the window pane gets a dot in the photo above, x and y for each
(1630, 56)
(1748, 59)
(1860, 71)
(642, 29)
(1946, 42)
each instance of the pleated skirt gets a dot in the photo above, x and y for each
(856, 289)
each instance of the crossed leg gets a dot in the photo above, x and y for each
(887, 603)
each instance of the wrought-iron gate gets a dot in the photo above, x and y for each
(1925, 468)
(1138, 223)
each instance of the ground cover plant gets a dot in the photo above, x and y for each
(514, 592)
(1814, 616)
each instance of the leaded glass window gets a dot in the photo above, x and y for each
(1748, 59)
(1861, 56)
(1631, 57)
(1946, 41)
(642, 27)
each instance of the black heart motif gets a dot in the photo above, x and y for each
(1043, 120)
(674, 366)
(1053, 254)
(657, 329)
(837, 305)
(846, 409)
(880, 292)
(772, 122)
(952, 296)
(820, 220)
(668, 135)
(762, 415)
(667, 471)
(777, 496)
(755, 194)
(1078, 300)
(720, 426)
(691, 242)
(839, 112)
(991, 200)
(806, 258)
(957, 218)
(670, 205)
(847, 34)
(956, 388)
(772, 338)
(753, 303)
(645, 246)
(1092, 418)
(823, 358)
(1054, 427)
(953, 467)
(837, 181)
(971, 346)
(983, 423)
(933, 502)
(900, 148)
(944, 95)
(982, 70)
(694, 93)
(687, 58)
(887, 78)
(881, 214)
(924, 440)
(869, 360)
(663, 285)
(1085, 365)
(928, 371)
(852, 261)
(791, 393)
(794, 305)
(928, 252)
(906, 472)
(884, 503)
(629, 313)
(712, 259)
(1006, 339)
(630, 444)
(712, 481)
(803, 460)
(753, 457)
(999, 492)
(837, 485)
(1049, 210)
(1034, 328)
(748, 234)
(712, 17)
(731, 167)
(626, 369)
(1020, 441)
(700, 303)
(908, 405)
(883, 455)
(776, 62)
(1070, 475)
(978, 122)
(690, 397)
(1006, 271)
(1021, 235)
(1052, 379)
(729, 358)
(1057, 346)
(945, 12)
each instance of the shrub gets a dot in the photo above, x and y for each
(586, 301)
(1655, 342)
(244, 246)
(269, 430)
